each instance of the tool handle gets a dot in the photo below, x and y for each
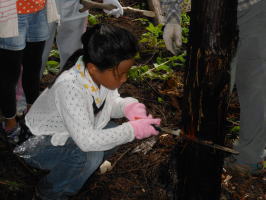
(157, 128)
(92, 4)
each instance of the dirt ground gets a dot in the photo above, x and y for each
(134, 170)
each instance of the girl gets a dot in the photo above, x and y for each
(23, 31)
(71, 119)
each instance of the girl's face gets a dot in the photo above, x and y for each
(111, 78)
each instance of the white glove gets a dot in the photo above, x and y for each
(172, 36)
(115, 12)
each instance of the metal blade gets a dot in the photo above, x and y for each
(203, 142)
(173, 132)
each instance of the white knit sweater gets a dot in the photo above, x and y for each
(65, 110)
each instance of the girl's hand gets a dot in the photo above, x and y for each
(143, 127)
(135, 111)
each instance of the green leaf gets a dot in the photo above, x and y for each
(92, 19)
(52, 66)
(235, 129)
(54, 53)
(160, 100)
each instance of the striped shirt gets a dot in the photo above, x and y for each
(8, 18)
(8, 9)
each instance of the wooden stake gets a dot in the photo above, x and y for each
(155, 5)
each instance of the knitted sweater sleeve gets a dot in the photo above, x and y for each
(118, 104)
(74, 107)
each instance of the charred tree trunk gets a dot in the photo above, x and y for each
(195, 170)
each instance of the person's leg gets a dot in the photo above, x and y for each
(70, 174)
(69, 167)
(48, 45)
(11, 58)
(251, 82)
(37, 34)
(32, 60)
(91, 166)
(68, 38)
(9, 74)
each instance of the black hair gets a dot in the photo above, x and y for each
(105, 46)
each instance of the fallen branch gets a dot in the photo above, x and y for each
(146, 13)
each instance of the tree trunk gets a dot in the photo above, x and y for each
(195, 170)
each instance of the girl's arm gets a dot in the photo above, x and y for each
(119, 103)
(74, 107)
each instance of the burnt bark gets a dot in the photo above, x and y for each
(195, 170)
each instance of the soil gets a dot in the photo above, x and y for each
(136, 165)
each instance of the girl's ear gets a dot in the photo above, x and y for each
(91, 68)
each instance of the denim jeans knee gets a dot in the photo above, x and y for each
(70, 173)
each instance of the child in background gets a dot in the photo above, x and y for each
(23, 31)
(72, 25)
(71, 119)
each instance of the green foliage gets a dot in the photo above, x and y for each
(160, 99)
(93, 19)
(153, 38)
(51, 66)
(235, 130)
(163, 67)
(54, 53)
(161, 70)
(185, 21)
(144, 21)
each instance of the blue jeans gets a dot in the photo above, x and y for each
(32, 28)
(69, 167)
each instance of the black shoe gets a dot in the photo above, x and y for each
(13, 135)
(17, 135)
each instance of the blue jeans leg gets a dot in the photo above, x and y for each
(69, 174)
(69, 166)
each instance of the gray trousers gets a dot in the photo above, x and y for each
(248, 69)
(68, 39)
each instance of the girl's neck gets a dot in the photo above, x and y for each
(94, 80)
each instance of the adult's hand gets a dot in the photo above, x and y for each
(172, 36)
(115, 12)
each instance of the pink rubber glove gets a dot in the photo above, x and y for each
(143, 127)
(134, 111)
